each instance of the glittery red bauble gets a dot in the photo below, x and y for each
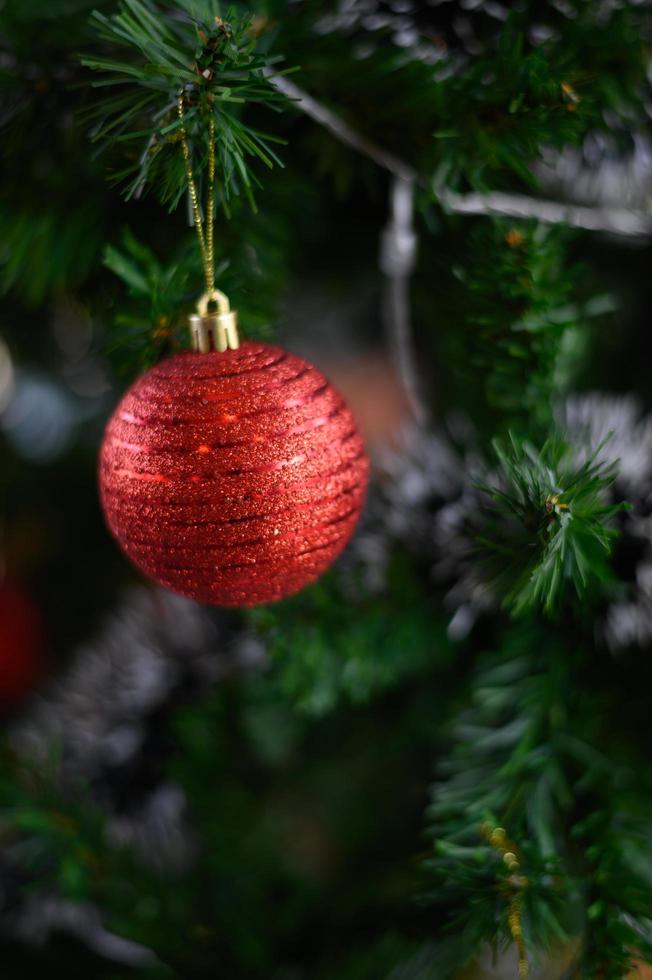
(21, 645)
(233, 478)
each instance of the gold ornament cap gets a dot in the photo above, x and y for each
(214, 330)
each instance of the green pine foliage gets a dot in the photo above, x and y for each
(525, 324)
(550, 528)
(281, 829)
(483, 124)
(306, 782)
(211, 63)
(497, 776)
(323, 655)
(53, 229)
(532, 753)
(500, 108)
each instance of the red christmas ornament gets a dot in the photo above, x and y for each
(233, 478)
(21, 645)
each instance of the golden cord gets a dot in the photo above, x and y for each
(206, 246)
(497, 837)
(514, 921)
(210, 204)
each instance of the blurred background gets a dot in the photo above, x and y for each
(185, 789)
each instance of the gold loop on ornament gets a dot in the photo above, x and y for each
(215, 330)
(213, 296)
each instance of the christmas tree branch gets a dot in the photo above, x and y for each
(537, 805)
(498, 780)
(194, 54)
(617, 221)
(549, 527)
(522, 325)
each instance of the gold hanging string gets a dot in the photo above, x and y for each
(516, 929)
(216, 330)
(498, 839)
(205, 240)
(210, 203)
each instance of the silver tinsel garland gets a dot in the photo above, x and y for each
(422, 497)
(100, 727)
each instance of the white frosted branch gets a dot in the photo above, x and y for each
(619, 221)
(339, 128)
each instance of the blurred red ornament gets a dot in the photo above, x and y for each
(233, 478)
(21, 645)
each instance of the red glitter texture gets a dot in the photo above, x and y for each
(233, 478)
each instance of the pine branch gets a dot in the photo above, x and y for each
(150, 318)
(503, 771)
(534, 754)
(55, 841)
(190, 50)
(153, 322)
(616, 220)
(329, 647)
(488, 112)
(614, 841)
(549, 527)
(546, 94)
(525, 324)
